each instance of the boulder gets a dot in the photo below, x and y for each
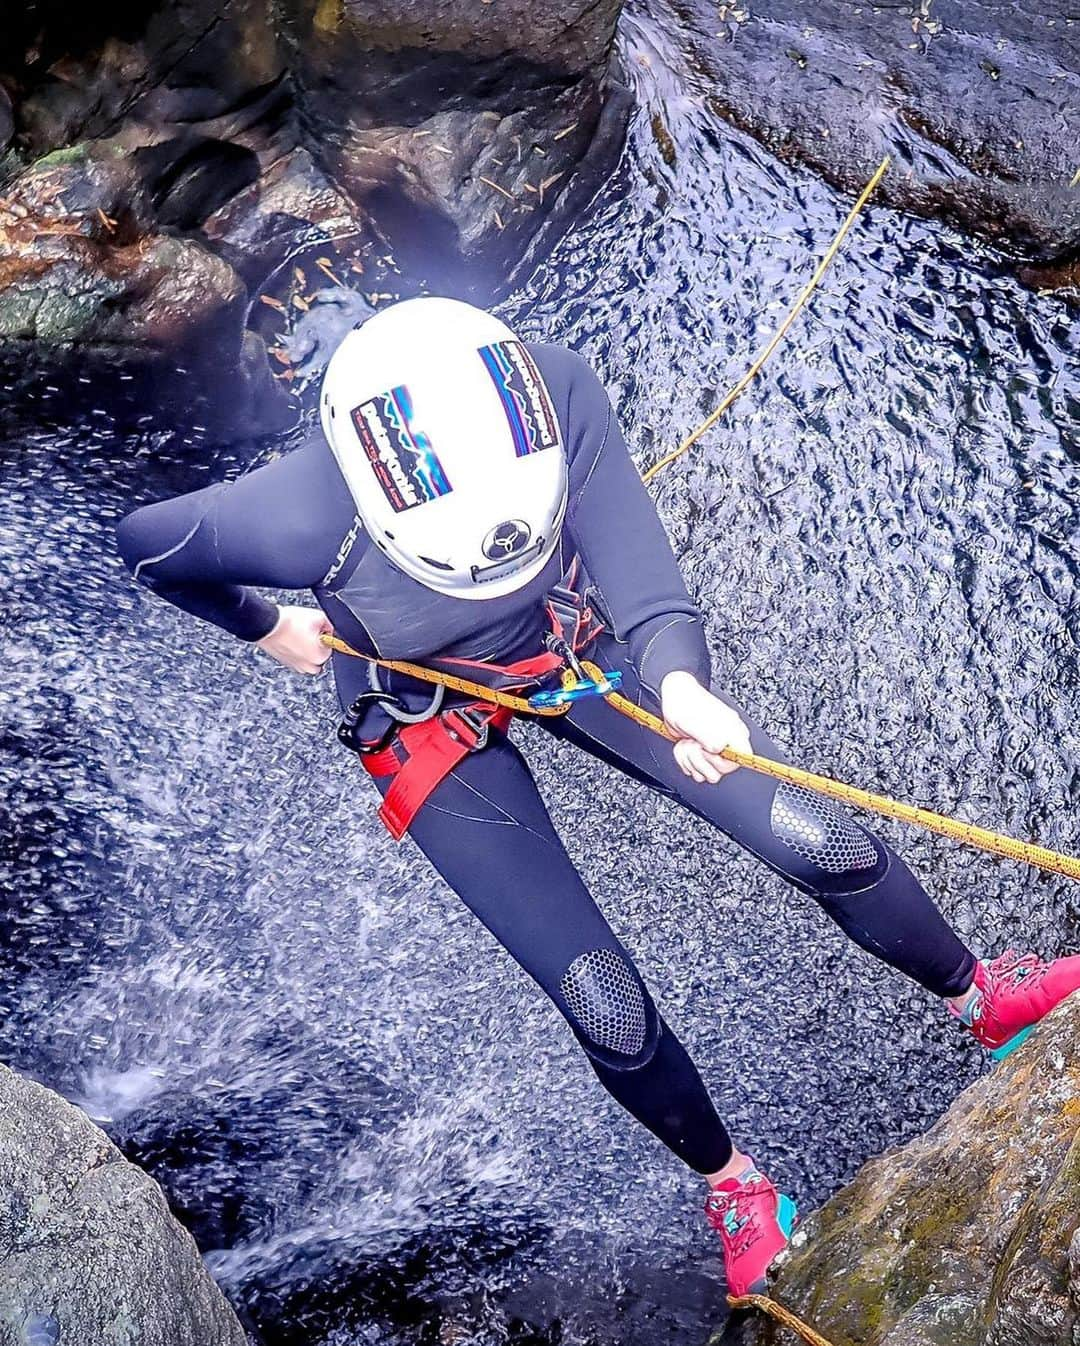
(968, 1236)
(92, 292)
(971, 99)
(458, 127)
(179, 169)
(89, 1251)
(291, 204)
(142, 71)
(459, 130)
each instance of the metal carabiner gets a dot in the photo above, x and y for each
(354, 713)
(577, 691)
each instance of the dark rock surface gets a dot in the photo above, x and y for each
(403, 116)
(968, 1236)
(89, 1251)
(235, 138)
(977, 102)
(457, 126)
(90, 288)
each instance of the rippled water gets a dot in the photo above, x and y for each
(376, 1129)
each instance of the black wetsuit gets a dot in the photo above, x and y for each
(292, 524)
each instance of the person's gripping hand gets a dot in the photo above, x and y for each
(705, 726)
(295, 639)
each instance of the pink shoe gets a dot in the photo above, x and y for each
(1014, 992)
(755, 1224)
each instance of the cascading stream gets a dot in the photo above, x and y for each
(377, 1129)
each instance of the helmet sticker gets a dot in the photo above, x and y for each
(401, 456)
(525, 398)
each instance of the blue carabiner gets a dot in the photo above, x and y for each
(562, 696)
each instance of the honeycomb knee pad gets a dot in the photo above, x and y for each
(610, 1009)
(834, 854)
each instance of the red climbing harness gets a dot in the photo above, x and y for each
(421, 755)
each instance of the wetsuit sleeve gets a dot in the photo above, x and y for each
(617, 532)
(278, 526)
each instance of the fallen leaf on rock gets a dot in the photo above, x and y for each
(509, 195)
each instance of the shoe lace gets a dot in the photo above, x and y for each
(1015, 967)
(734, 1217)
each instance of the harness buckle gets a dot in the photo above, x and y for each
(560, 646)
(467, 726)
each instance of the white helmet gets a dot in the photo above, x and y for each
(448, 440)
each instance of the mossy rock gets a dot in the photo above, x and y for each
(961, 1237)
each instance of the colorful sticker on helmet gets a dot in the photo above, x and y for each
(525, 399)
(401, 456)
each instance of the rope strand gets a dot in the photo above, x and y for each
(776, 1310)
(778, 336)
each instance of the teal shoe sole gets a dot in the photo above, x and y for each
(1000, 1053)
(787, 1217)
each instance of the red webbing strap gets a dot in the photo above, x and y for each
(433, 747)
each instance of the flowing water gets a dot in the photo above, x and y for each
(375, 1127)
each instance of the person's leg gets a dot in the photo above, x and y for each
(858, 880)
(487, 832)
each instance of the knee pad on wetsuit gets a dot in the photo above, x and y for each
(831, 853)
(609, 1009)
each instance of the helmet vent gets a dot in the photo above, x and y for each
(435, 565)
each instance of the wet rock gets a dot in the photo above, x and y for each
(7, 122)
(460, 130)
(141, 71)
(88, 1249)
(1062, 276)
(406, 116)
(351, 134)
(969, 1236)
(962, 95)
(92, 295)
(291, 204)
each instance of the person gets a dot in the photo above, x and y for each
(471, 505)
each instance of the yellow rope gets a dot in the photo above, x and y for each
(807, 290)
(476, 690)
(782, 1315)
(980, 837)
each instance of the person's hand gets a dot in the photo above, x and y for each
(295, 642)
(705, 726)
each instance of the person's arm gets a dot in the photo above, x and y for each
(617, 532)
(278, 526)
